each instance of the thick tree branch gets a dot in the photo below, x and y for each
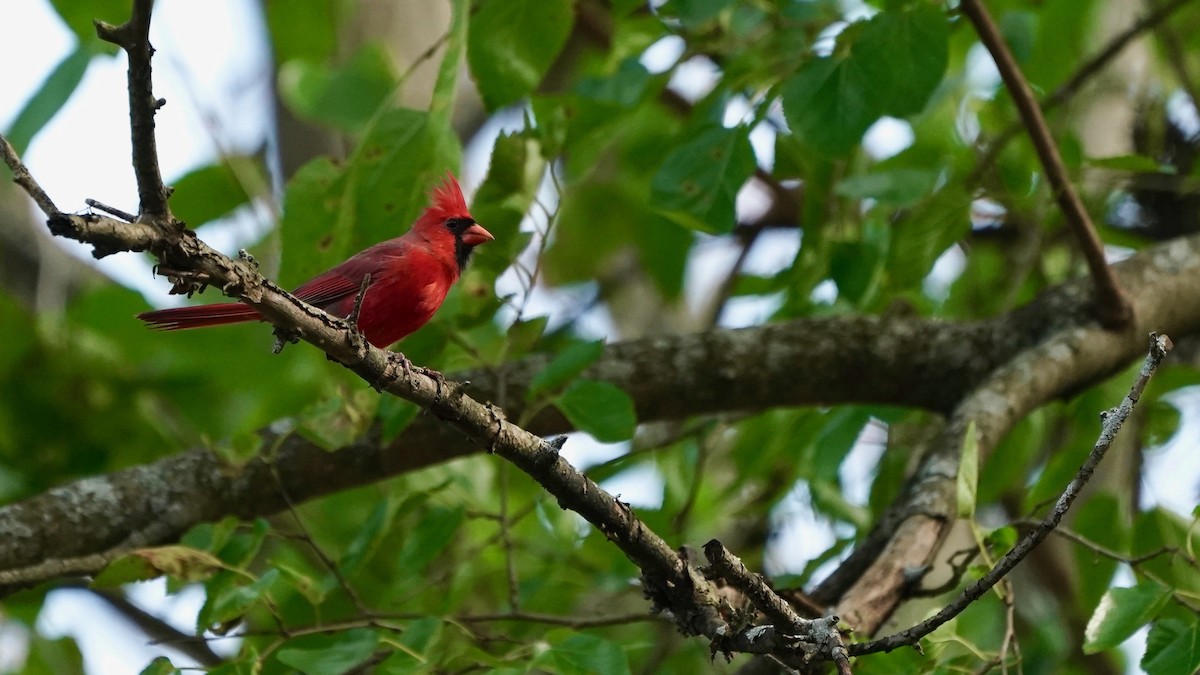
(1112, 306)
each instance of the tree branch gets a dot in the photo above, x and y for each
(1112, 305)
(1067, 90)
(23, 178)
(1113, 420)
(134, 37)
(670, 581)
(161, 632)
(891, 360)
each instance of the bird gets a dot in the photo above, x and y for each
(410, 277)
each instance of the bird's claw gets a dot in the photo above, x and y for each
(396, 363)
(283, 337)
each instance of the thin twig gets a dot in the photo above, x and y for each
(161, 632)
(110, 210)
(1112, 306)
(22, 177)
(134, 38)
(324, 557)
(567, 621)
(510, 565)
(1177, 59)
(1067, 90)
(1112, 421)
(358, 300)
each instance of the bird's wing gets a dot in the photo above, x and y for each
(345, 280)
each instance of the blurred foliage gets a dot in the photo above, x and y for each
(638, 129)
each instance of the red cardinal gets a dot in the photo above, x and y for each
(410, 276)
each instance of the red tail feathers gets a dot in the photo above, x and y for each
(182, 318)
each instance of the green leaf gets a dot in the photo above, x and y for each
(828, 104)
(600, 409)
(300, 582)
(329, 654)
(238, 449)
(214, 191)
(1172, 647)
(437, 528)
(1019, 30)
(179, 562)
(56, 89)
(968, 472)
(52, 657)
(1104, 519)
(444, 89)
(624, 88)
(303, 30)
(904, 54)
(582, 654)
(698, 183)
(159, 666)
(338, 421)
(240, 549)
(563, 367)
(1002, 539)
(923, 235)
(395, 414)
(852, 266)
(230, 601)
(895, 63)
(345, 97)
(694, 13)
(897, 187)
(1121, 612)
(417, 639)
(839, 429)
(1130, 163)
(369, 537)
(501, 202)
(79, 16)
(513, 42)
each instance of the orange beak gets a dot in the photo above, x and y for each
(476, 235)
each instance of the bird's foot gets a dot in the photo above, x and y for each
(183, 282)
(284, 337)
(397, 365)
(438, 380)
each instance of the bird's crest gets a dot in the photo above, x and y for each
(448, 201)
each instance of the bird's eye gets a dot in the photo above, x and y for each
(459, 225)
